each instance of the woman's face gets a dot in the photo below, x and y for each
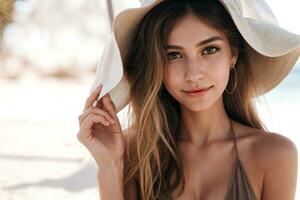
(199, 57)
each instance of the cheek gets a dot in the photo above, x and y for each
(169, 80)
(221, 74)
(219, 71)
(220, 79)
(172, 74)
(172, 81)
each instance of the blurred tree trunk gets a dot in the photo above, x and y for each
(110, 12)
(6, 9)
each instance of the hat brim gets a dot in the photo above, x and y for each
(273, 51)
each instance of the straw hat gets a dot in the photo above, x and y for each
(273, 51)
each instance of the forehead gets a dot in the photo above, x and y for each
(191, 29)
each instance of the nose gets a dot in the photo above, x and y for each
(194, 71)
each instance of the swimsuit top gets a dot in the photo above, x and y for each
(239, 187)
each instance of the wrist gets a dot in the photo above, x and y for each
(112, 172)
(110, 180)
(115, 165)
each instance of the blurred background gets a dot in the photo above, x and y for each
(49, 50)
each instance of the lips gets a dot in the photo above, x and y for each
(197, 93)
(197, 90)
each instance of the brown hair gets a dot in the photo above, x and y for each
(6, 9)
(153, 158)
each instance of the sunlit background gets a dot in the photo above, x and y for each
(49, 53)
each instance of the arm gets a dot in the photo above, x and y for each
(110, 181)
(101, 133)
(281, 173)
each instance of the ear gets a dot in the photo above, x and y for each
(234, 56)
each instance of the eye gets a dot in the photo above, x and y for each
(173, 55)
(210, 50)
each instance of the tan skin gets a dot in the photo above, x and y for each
(270, 159)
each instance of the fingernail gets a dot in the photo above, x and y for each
(112, 121)
(106, 123)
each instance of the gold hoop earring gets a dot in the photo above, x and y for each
(235, 83)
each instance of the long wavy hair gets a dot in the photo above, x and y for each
(152, 157)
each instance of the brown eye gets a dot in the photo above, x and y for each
(210, 50)
(173, 55)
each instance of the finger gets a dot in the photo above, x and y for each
(99, 103)
(109, 106)
(93, 96)
(97, 111)
(90, 120)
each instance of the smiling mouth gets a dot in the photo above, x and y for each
(199, 90)
(198, 93)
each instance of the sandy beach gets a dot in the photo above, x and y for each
(40, 157)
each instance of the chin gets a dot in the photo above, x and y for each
(197, 107)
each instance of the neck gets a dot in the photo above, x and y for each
(204, 127)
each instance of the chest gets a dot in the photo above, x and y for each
(208, 174)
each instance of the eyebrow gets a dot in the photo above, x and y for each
(209, 40)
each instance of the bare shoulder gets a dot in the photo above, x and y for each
(273, 147)
(270, 146)
(279, 157)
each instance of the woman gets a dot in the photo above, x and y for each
(193, 69)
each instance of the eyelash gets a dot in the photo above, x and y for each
(212, 47)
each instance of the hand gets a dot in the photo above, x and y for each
(100, 130)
